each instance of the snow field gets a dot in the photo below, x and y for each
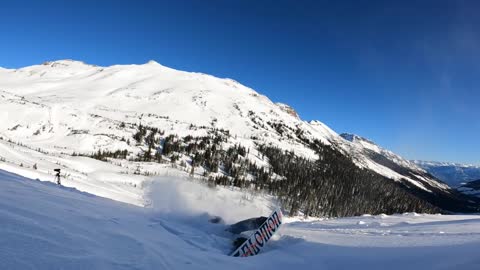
(45, 226)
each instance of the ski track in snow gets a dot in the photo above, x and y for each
(45, 226)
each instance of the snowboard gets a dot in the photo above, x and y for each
(253, 244)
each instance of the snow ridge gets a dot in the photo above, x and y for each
(66, 106)
(390, 164)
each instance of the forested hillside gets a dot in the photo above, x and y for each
(330, 185)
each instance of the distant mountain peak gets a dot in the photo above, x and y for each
(153, 62)
(349, 136)
(353, 138)
(443, 163)
(65, 63)
(69, 63)
(286, 108)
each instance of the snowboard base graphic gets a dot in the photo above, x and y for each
(252, 245)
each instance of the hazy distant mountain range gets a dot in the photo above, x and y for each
(454, 174)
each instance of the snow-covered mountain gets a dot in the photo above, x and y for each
(408, 171)
(454, 174)
(53, 112)
(73, 106)
(398, 166)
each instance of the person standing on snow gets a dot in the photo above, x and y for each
(57, 176)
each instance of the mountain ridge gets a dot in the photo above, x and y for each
(69, 107)
(453, 173)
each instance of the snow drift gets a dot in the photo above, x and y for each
(45, 226)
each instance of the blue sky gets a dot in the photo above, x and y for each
(405, 74)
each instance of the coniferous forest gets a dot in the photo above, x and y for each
(332, 185)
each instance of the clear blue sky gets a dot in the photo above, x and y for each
(405, 74)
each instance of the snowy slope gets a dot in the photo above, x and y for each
(393, 165)
(53, 111)
(71, 105)
(85, 174)
(67, 106)
(45, 226)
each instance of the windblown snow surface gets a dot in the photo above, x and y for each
(45, 226)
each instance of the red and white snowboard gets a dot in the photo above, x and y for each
(260, 237)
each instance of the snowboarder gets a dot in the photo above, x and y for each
(57, 176)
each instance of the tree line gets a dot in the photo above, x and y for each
(331, 185)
